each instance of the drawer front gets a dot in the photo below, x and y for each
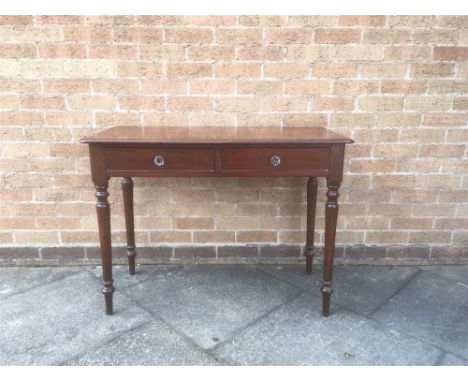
(160, 160)
(274, 160)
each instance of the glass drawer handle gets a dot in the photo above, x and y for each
(275, 160)
(159, 160)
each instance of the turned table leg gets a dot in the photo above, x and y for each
(127, 188)
(311, 207)
(103, 216)
(331, 216)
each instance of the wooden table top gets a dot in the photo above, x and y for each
(152, 134)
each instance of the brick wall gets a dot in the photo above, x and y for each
(397, 85)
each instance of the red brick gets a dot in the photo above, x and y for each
(212, 86)
(305, 120)
(38, 102)
(164, 86)
(189, 35)
(66, 85)
(115, 85)
(20, 85)
(286, 70)
(332, 103)
(138, 34)
(139, 69)
(387, 36)
(263, 20)
(189, 70)
(110, 20)
(150, 52)
(289, 104)
(18, 51)
(460, 103)
(371, 21)
(451, 53)
(210, 20)
(237, 104)
(260, 87)
(207, 52)
(407, 53)
(141, 103)
(59, 19)
(238, 35)
(62, 50)
(237, 70)
(337, 36)
(432, 70)
(288, 36)
(189, 103)
(404, 86)
(16, 20)
(118, 52)
(256, 236)
(94, 33)
(313, 21)
(458, 22)
(334, 70)
(411, 21)
(436, 36)
(160, 20)
(355, 87)
(305, 87)
(260, 53)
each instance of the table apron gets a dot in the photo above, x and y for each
(149, 173)
(217, 160)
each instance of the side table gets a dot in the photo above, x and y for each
(133, 151)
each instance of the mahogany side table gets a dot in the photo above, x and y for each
(133, 151)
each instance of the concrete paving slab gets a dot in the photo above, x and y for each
(432, 308)
(208, 304)
(361, 289)
(297, 334)
(124, 280)
(52, 323)
(451, 360)
(455, 272)
(18, 279)
(151, 344)
(234, 315)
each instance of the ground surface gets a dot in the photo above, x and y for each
(235, 315)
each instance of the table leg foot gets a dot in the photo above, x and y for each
(309, 255)
(131, 254)
(108, 291)
(327, 291)
(308, 264)
(108, 299)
